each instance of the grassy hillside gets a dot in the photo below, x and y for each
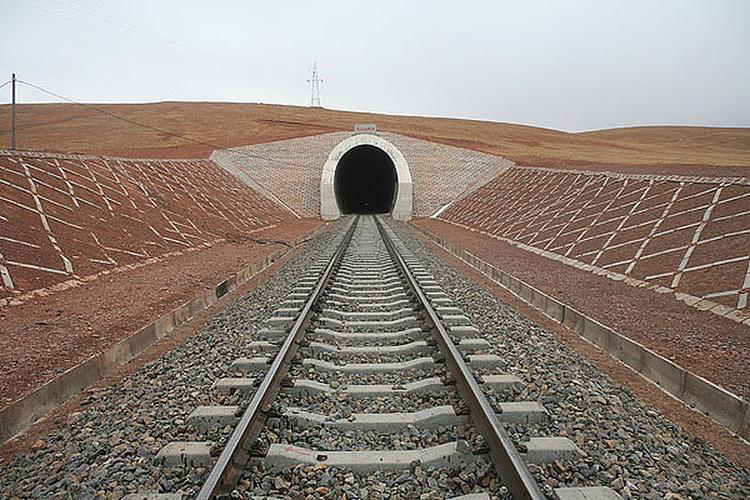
(71, 128)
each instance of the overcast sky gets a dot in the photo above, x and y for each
(570, 65)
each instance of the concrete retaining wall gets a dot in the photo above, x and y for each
(721, 405)
(24, 412)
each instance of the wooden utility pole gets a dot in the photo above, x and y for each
(13, 113)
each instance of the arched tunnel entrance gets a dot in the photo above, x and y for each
(366, 173)
(365, 181)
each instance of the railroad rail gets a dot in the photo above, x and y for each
(370, 300)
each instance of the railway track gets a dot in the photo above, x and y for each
(368, 348)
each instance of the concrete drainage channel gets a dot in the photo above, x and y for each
(366, 349)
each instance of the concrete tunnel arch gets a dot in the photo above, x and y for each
(330, 199)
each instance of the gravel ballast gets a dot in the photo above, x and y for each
(109, 449)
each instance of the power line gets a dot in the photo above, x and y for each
(167, 132)
(123, 29)
(101, 16)
(99, 20)
(71, 19)
(113, 115)
(87, 10)
(253, 156)
(6, 83)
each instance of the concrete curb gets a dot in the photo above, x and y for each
(726, 408)
(18, 416)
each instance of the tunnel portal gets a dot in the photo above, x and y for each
(365, 181)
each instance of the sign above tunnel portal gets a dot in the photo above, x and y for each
(365, 128)
(334, 200)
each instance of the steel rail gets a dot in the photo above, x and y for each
(226, 472)
(506, 458)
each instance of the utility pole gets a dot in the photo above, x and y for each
(13, 113)
(314, 82)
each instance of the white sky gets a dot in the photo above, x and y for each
(571, 65)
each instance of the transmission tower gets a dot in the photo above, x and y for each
(314, 82)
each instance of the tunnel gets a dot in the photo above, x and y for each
(365, 181)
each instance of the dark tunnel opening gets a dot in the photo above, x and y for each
(365, 181)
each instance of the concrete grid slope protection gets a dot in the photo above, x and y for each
(689, 236)
(67, 218)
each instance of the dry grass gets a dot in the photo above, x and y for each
(70, 128)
